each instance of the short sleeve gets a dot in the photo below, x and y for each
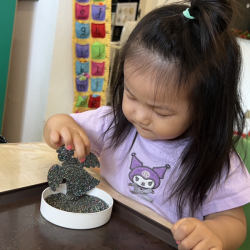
(95, 123)
(233, 190)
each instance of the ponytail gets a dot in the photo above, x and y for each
(212, 18)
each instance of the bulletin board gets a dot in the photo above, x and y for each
(91, 52)
(7, 17)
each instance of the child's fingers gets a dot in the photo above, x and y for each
(191, 233)
(82, 146)
(176, 225)
(55, 138)
(86, 143)
(194, 241)
(67, 137)
(72, 139)
(182, 228)
(204, 245)
(80, 149)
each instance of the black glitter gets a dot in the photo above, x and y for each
(55, 177)
(83, 204)
(64, 154)
(78, 180)
(91, 161)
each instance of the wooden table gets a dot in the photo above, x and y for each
(24, 164)
(27, 164)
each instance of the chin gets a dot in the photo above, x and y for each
(148, 137)
(152, 137)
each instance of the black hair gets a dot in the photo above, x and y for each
(205, 52)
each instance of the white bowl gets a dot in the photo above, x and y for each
(76, 220)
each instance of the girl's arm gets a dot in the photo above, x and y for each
(63, 130)
(220, 231)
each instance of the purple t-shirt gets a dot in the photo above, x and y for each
(146, 172)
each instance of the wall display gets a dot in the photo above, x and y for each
(91, 52)
(125, 12)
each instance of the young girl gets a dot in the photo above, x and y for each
(167, 141)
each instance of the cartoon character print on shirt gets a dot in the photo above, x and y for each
(145, 179)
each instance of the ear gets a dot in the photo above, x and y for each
(161, 170)
(135, 162)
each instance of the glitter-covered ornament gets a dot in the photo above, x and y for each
(78, 180)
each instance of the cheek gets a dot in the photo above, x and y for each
(181, 124)
(185, 120)
(126, 107)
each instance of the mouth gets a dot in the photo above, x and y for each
(143, 129)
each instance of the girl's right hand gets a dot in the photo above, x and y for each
(63, 130)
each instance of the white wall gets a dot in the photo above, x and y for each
(146, 6)
(30, 69)
(61, 88)
(245, 83)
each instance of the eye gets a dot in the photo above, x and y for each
(162, 115)
(150, 183)
(129, 96)
(136, 178)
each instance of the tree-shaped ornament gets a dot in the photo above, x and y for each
(78, 183)
(78, 180)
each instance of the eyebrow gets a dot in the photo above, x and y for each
(151, 105)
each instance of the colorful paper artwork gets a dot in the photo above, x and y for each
(91, 49)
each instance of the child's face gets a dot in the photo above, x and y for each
(155, 115)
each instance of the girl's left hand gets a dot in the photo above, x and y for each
(191, 233)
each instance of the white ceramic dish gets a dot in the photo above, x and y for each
(76, 220)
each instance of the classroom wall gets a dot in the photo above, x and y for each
(30, 70)
(7, 17)
(146, 6)
(245, 78)
(41, 82)
(61, 87)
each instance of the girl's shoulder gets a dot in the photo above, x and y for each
(234, 172)
(237, 167)
(232, 190)
(96, 121)
(105, 112)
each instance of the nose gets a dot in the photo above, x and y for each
(142, 115)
